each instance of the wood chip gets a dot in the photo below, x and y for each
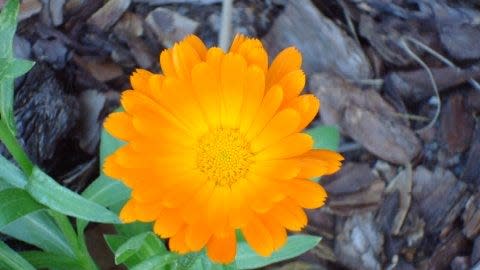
(366, 117)
(359, 242)
(168, 2)
(471, 217)
(56, 11)
(325, 47)
(416, 86)
(29, 8)
(109, 14)
(169, 26)
(101, 70)
(402, 184)
(471, 173)
(444, 253)
(439, 196)
(455, 114)
(355, 189)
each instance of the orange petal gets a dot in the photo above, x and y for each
(319, 162)
(181, 102)
(289, 214)
(240, 212)
(214, 57)
(290, 146)
(258, 237)
(307, 106)
(166, 63)
(277, 231)
(282, 124)
(232, 79)
(307, 193)
(177, 242)
(139, 80)
(206, 88)
(147, 212)
(222, 247)
(168, 223)
(191, 212)
(197, 235)
(267, 196)
(127, 214)
(286, 61)
(270, 104)
(237, 41)
(254, 91)
(184, 58)
(292, 84)
(218, 208)
(276, 169)
(198, 45)
(119, 124)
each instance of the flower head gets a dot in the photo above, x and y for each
(215, 145)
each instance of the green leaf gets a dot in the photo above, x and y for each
(40, 230)
(108, 145)
(13, 68)
(115, 241)
(188, 261)
(15, 203)
(48, 192)
(42, 260)
(10, 174)
(134, 228)
(203, 262)
(8, 25)
(145, 245)
(9, 259)
(158, 262)
(6, 103)
(325, 137)
(106, 192)
(296, 245)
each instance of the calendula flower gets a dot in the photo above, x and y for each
(215, 145)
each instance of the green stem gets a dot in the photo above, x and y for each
(79, 246)
(7, 137)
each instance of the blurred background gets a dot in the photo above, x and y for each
(397, 77)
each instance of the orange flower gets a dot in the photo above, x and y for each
(215, 144)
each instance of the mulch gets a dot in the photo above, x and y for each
(407, 196)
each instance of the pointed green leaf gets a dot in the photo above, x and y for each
(47, 260)
(158, 262)
(15, 203)
(8, 25)
(145, 245)
(325, 137)
(296, 245)
(48, 192)
(108, 144)
(106, 192)
(13, 68)
(115, 241)
(10, 174)
(9, 259)
(40, 230)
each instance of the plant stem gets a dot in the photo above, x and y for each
(15, 149)
(226, 25)
(79, 246)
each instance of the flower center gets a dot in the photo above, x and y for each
(224, 156)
